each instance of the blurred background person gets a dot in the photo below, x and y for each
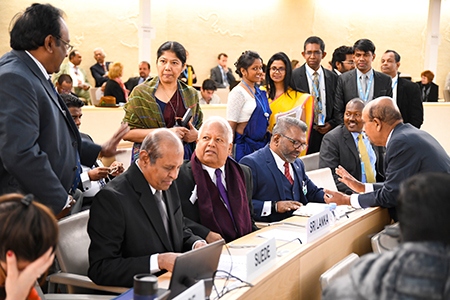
(188, 74)
(115, 86)
(206, 93)
(100, 70)
(28, 237)
(160, 102)
(144, 74)
(429, 89)
(295, 63)
(342, 60)
(248, 109)
(221, 74)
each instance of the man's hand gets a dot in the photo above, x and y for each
(98, 173)
(212, 237)
(199, 244)
(323, 129)
(166, 261)
(179, 131)
(286, 206)
(116, 168)
(191, 135)
(336, 197)
(349, 180)
(109, 148)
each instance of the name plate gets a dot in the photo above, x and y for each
(195, 292)
(318, 225)
(260, 258)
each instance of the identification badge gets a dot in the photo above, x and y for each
(305, 188)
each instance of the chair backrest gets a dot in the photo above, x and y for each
(223, 94)
(73, 244)
(387, 239)
(311, 161)
(323, 178)
(95, 93)
(341, 268)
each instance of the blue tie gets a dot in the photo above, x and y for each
(223, 192)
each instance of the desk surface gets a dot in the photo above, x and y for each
(295, 274)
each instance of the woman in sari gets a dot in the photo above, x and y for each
(163, 101)
(283, 99)
(248, 110)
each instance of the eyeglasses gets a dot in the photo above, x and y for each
(350, 62)
(275, 69)
(69, 47)
(295, 143)
(316, 53)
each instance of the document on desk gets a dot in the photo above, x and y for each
(283, 235)
(312, 208)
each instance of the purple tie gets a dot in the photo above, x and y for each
(223, 192)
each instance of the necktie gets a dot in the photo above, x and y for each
(316, 94)
(287, 173)
(225, 80)
(370, 178)
(162, 210)
(223, 192)
(364, 83)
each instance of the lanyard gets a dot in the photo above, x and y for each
(366, 95)
(266, 114)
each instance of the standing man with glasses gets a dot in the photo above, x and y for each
(311, 77)
(280, 185)
(40, 146)
(342, 60)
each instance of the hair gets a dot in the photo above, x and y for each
(246, 59)
(385, 112)
(221, 54)
(209, 85)
(294, 63)
(72, 54)
(72, 101)
(428, 74)
(285, 123)
(340, 55)
(357, 101)
(64, 78)
(365, 45)
(153, 140)
(423, 208)
(287, 76)
(32, 27)
(28, 228)
(314, 40)
(115, 70)
(174, 47)
(147, 63)
(396, 55)
(101, 50)
(221, 121)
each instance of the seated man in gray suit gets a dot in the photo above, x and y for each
(222, 75)
(342, 147)
(214, 190)
(136, 223)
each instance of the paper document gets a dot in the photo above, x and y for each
(312, 208)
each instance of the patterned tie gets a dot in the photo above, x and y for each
(316, 94)
(223, 192)
(370, 178)
(287, 173)
(162, 210)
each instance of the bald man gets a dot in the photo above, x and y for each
(408, 151)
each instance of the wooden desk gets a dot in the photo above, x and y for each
(296, 274)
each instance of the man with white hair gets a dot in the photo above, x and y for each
(100, 70)
(215, 191)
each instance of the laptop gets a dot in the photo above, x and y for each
(190, 267)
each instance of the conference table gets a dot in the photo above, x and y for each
(297, 268)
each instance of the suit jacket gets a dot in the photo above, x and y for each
(98, 73)
(185, 184)
(126, 228)
(339, 148)
(433, 96)
(112, 88)
(268, 184)
(132, 82)
(409, 151)
(216, 75)
(38, 139)
(347, 89)
(409, 101)
(300, 82)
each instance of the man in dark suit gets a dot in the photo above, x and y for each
(39, 142)
(311, 77)
(144, 74)
(342, 60)
(280, 185)
(100, 70)
(221, 74)
(340, 147)
(408, 151)
(211, 213)
(363, 82)
(136, 221)
(404, 92)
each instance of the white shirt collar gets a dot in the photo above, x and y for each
(359, 73)
(139, 167)
(311, 71)
(212, 172)
(40, 66)
(278, 160)
(389, 136)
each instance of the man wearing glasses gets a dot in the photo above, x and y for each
(40, 146)
(280, 185)
(311, 77)
(342, 60)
